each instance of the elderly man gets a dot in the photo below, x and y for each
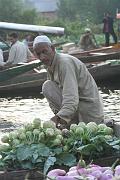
(71, 91)
(19, 53)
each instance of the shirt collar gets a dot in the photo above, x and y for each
(53, 63)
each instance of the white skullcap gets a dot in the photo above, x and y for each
(41, 39)
(87, 30)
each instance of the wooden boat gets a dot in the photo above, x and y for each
(107, 75)
(9, 73)
(97, 55)
(29, 83)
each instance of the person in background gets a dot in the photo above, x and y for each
(87, 41)
(28, 41)
(70, 89)
(108, 28)
(19, 53)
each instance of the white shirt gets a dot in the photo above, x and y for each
(19, 53)
(1, 58)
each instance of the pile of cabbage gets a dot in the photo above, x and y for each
(90, 140)
(42, 146)
(90, 172)
(34, 146)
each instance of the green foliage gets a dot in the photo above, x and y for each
(28, 16)
(15, 11)
(35, 145)
(93, 10)
(91, 141)
(26, 149)
(10, 11)
(74, 16)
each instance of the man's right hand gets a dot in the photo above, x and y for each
(60, 123)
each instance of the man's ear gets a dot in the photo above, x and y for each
(53, 48)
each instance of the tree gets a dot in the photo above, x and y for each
(10, 10)
(29, 16)
(17, 11)
(93, 10)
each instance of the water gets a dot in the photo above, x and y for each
(15, 112)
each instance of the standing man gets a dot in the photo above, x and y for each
(71, 91)
(19, 53)
(108, 28)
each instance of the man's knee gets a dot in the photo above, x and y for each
(46, 87)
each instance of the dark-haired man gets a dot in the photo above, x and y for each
(108, 28)
(19, 53)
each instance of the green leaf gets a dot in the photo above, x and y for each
(43, 150)
(117, 147)
(26, 165)
(66, 159)
(113, 143)
(24, 153)
(57, 150)
(35, 155)
(86, 149)
(9, 157)
(2, 164)
(39, 160)
(48, 163)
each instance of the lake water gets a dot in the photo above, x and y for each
(15, 112)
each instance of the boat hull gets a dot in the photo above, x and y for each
(26, 84)
(30, 83)
(97, 55)
(106, 76)
(9, 73)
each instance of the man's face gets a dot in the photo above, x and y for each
(12, 40)
(45, 53)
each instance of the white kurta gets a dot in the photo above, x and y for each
(19, 53)
(1, 58)
(79, 90)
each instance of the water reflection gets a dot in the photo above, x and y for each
(14, 112)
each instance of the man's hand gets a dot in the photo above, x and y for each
(60, 123)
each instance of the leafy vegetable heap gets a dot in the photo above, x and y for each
(43, 146)
(91, 140)
(35, 145)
